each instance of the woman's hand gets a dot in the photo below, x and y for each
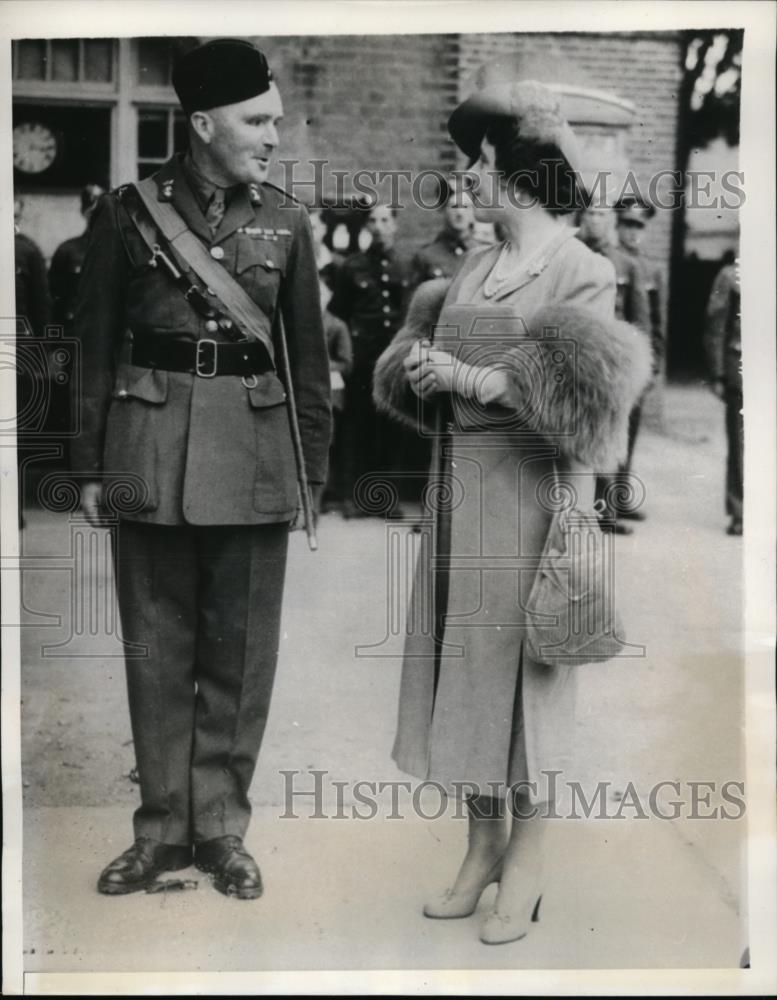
(430, 371)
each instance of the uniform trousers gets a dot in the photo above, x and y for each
(369, 437)
(616, 488)
(735, 433)
(206, 604)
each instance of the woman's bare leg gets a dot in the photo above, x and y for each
(522, 876)
(487, 838)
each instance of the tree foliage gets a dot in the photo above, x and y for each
(712, 85)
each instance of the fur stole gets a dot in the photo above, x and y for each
(585, 405)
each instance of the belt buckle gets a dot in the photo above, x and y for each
(198, 360)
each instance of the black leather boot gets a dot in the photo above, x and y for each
(139, 866)
(234, 871)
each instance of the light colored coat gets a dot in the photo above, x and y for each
(477, 709)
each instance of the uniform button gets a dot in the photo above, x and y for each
(459, 251)
(211, 326)
(226, 323)
(387, 309)
(384, 263)
(385, 293)
(122, 393)
(386, 322)
(384, 277)
(217, 253)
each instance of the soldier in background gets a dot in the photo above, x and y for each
(723, 346)
(441, 257)
(33, 304)
(33, 314)
(632, 218)
(328, 261)
(370, 296)
(340, 351)
(64, 277)
(68, 259)
(597, 231)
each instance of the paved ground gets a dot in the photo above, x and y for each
(345, 893)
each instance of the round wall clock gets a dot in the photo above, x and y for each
(34, 147)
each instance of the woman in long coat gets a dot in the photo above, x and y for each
(527, 388)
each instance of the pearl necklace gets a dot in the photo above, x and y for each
(505, 270)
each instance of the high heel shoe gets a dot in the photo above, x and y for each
(501, 928)
(450, 905)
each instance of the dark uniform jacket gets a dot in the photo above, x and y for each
(370, 296)
(652, 281)
(440, 258)
(192, 449)
(32, 296)
(722, 332)
(64, 277)
(338, 343)
(631, 301)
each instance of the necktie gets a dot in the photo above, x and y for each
(216, 209)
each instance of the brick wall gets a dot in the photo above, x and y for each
(376, 102)
(382, 101)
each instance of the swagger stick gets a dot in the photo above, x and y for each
(296, 438)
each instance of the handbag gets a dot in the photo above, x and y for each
(572, 617)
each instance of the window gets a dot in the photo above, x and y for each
(156, 58)
(65, 60)
(161, 132)
(155, 62)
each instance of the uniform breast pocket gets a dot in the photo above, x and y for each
(259, 268)
(154, 302)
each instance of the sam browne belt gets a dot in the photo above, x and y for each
(206, 358)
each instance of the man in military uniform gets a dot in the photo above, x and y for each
(33, 305)
(632, 218)
(441, 257)
(370, 296)
(723, 346)
(191, 419)
(68, 259)
(64, 278)
(597, 231)
(33, 314)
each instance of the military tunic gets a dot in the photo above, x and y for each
(64, 277)
(723, 347)
(209, 488)
(652, 282)
(633, 306)
(33, 386)
(370, 296)
(440, 258)
(32, 297)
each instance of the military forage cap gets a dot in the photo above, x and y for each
(224, 71)
(535, 108)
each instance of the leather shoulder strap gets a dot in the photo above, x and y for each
(251, 320)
